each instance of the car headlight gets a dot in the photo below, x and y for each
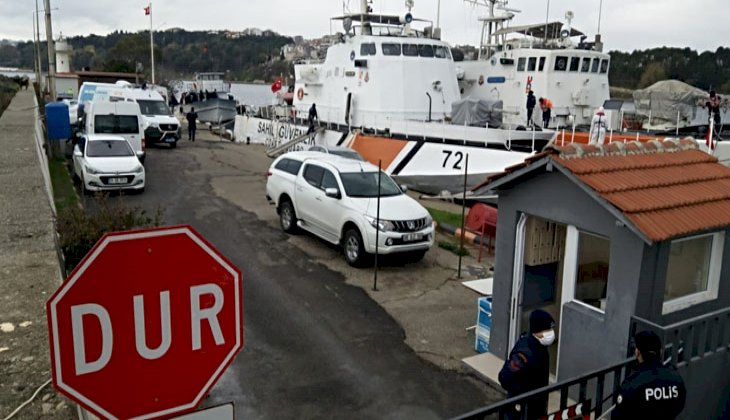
(138, 170)
(382, 225)
(91, 170)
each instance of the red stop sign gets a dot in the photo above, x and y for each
(146, 324)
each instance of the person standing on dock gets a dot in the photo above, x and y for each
(192, 118)
(531, 102)
(598, 127)
(546, 105)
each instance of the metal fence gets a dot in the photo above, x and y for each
(692, 339)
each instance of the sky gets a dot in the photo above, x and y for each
(625, 25)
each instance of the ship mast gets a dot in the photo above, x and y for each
(365, 10)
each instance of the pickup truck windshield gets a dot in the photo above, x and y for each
(365, 184)
(153, 107)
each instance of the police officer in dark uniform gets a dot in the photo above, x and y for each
(651, 390)
(528, 365)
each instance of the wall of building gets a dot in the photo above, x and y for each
(589, 339)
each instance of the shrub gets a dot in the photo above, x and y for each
(450, 246)
(79, 230)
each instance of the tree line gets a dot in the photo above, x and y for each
(180, 53)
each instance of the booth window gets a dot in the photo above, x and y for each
(693, 271)
(591, 279)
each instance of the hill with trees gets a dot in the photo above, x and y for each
(246, 57)
(178, 53)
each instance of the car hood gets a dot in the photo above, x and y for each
(162, 119)
(113, 164)
(399, 207)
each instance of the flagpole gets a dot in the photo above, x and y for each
(152, 46)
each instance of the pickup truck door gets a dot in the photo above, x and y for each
(330, 208)
(308, 194)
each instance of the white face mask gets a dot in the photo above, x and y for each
(548, 338)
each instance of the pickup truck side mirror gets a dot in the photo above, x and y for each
(404, 188)
(78, 152)
(332, 192)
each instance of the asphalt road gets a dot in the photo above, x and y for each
(315, 346)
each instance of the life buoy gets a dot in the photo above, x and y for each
(300, 94)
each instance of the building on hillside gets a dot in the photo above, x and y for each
(606, 237)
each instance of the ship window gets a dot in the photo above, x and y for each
(594, 67)
(367, 49)
(521, 63)
(586, 65)
(574, 63)
(391, 49)
(439, 52)
(410, 50)
(561, 63)
(531, 63)
(541, 66)
(425, 50)
(604, 66)
(448, 53)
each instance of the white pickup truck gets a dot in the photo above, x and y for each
(335, 198)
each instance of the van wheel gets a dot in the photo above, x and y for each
(287, 217)
(355, 254)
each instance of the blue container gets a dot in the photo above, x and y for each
(484, 324)
(58, 122)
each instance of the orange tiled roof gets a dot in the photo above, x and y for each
(666, 189)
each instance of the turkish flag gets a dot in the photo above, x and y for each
(276, 86)
(148, 10)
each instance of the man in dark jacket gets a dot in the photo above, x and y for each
(192, 118)
(531, 102)
(528, 365)
(651, 390)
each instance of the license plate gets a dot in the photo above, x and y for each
(117, 180)
(169, 140)
(411, 237)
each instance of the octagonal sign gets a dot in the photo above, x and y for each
(146, 324)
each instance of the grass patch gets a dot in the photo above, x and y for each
(8, 87)
(446, 217)
(64, 194)
(450, 246)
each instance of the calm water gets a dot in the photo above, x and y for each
(253, 94)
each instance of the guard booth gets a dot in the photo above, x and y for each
(615, 239)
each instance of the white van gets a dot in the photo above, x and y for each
(119, 118)
(159, 124)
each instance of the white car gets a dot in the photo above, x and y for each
(336, 199)
(107, 163)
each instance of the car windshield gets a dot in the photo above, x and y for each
(365, 184)
(350, 154)
(108, 148)
(153, 107)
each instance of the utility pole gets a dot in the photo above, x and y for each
(51, 52)
(39, 68)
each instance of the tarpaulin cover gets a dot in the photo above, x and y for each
(667, 98)
(477, 112)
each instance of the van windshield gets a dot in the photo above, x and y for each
(153, 107)
(365, 184)
(108, 148)
(116, 124)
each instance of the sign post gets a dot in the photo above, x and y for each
(146, 324)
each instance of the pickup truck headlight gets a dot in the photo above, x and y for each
(383, 225)
(91, 170)
(429, 221)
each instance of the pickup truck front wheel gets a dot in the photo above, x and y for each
(354, 251)
(287, 217)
